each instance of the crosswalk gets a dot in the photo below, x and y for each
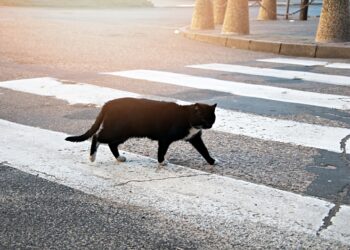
(305, 216)
(229, 121)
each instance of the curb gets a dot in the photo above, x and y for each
(289, 49)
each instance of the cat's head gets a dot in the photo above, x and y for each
(202, 116)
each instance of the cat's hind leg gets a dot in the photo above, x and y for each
(93, 148)
(114, 149)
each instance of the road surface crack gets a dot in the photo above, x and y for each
(327, 221)
(161, 179)
(47, 175)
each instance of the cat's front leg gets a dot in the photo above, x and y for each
(198, 144)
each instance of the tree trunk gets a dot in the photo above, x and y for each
(236, 18)
(203, 16)
(268, 10)
(334, 25)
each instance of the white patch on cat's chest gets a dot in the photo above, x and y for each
(192, 132)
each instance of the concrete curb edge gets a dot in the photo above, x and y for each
(276, 47)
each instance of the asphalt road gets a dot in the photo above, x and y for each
(77, 45)
(36, 213)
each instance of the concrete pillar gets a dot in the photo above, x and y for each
(203, 16)
(236, 18)
(334, 25)
(219, 11)
(268, 10)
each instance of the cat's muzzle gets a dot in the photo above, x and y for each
(207, 126)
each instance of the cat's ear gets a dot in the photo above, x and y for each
(214, 106)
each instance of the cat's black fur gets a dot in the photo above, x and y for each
(165, 122)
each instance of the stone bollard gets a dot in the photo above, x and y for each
(219, 11)
(203, 16)
(268, 10)
(334, 25)
(236, 18)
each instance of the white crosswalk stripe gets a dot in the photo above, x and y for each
(265, 128)
(301, 62)
(339, 65)
(225, 200)
(238, 88)
(72, 93)
(294, 61)
(283, 74)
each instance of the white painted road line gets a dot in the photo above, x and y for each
(307, 135)
(304, 134)
(79, 93)
(284, 74)
(306, 62)
(294, 61)
(242, 89)
(338, 65)
(224, 200)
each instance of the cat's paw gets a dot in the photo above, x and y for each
(161, 165)
(92, 157)
(211, 161)
(121, 158)
(210, 167)
(217, 162)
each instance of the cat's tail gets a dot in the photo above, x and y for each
(90, 132)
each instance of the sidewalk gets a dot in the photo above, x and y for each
(286, 37)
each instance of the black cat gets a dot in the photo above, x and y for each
(165, 122)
